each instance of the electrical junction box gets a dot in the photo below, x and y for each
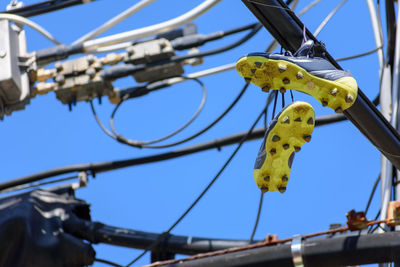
(79, 80)
(14, 80)
(153, 51)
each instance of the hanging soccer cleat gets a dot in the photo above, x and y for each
(287, 132)
(302, 72)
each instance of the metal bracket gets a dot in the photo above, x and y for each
(296, 251)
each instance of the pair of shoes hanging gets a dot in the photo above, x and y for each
(294, 124)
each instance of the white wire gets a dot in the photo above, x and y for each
(330, 15)
(91, 45)
(33, 25)
(377, 29)
(109, 48)
(114, 21)
(202, 73)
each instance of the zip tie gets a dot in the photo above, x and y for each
(296, 251)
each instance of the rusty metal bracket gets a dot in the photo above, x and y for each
(356, 220)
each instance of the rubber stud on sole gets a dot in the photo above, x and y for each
(286, 80)
(258, 64)
(349, 99)
(286, 120)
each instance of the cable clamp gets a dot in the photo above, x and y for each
(296, 251)
(83, 180)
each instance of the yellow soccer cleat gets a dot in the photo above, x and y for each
(287, 132)
(315, 76)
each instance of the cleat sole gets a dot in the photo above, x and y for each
(283, 138)
(282, 75)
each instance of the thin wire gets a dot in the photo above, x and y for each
(178, 80)
(211, 52)
(275, 100)
(330, 15)
(360, 55)
(128, 69)
(209, 126)
(316, 33)
(283, 99)
(266, 113)
(376, 217)
(27, 186)
(105, 130)
(137, 143)
(271, 6)
(162, 27)
(257, 218)
(202, 193)
(33, 25)
(114, 21)
(108, 262)
(372, 193)
(291, 95)
(274, 43)
(307, 8)
(261, 200)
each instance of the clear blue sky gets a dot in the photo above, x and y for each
(332, 174)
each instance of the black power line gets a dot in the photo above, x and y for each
(97, 167)
(194, 203)
(120, 71)
(44, 7)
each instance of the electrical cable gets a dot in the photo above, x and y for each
(119, 71)
(183, 42)
(255, 29)
(27, 186)
(172, 81)
(105, 130)
(330, 15)
(108, 262)
(237, 30)
(253, 232)
(372, 193)
(114, 21)
(359, 55)
(33, 25)
(196, 40)
(370, 231)
(254, 25)
(98, 167)
(209, 126)
(147, 144)
(203, 192)
(44, 7)
(260, 202)
(91, 45)
(307, 8)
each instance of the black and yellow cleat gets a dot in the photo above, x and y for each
(315, 76)
(287, 132)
